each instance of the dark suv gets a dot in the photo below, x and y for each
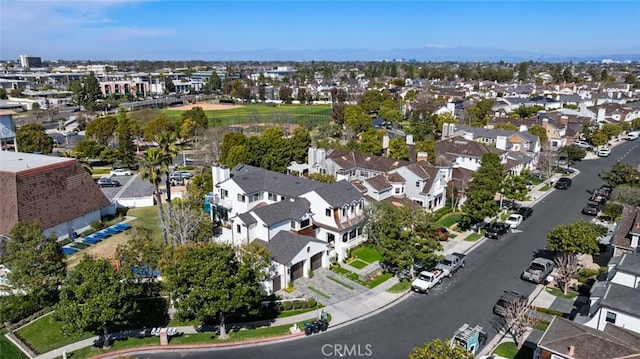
(563, 183)
(496, 230)
(592, 208)
(507, 297)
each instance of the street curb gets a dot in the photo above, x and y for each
(194, 346)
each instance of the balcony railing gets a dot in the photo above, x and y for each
(226, 203)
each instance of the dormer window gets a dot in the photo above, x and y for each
(344, 212)
(417, 183)
(241, 198)
(327, 212)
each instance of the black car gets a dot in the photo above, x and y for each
(507, 297)
(497, 230)
(592, 208)
(108, 182)
(525, 212)
(563, 183)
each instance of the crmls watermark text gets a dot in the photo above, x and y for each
(347, 350)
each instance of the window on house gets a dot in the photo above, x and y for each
(352, 234)
(293, 224)
(417, 183)
(305, 223)
(360, 205)
(345, 237)
(224, 193)
(240, 198)
(344, 212)
(611, 317)
(327, 212)
(238, 228)
(397, 191)
(352, 209)
(273, 197)
(282, 198)
(255, 197)
(331, 237)
(359, 231)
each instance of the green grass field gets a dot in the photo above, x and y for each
(8, 350)
(450, 219)
(45, 334)
(367, 254)
(400, 287)
(265, 113)
(358, 264)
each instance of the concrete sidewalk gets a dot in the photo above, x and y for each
(342, 313)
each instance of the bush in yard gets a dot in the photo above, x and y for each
(442, 212)
(286, 305)
(303, 304)
(296, 304)
(96, 225)
(311, 303)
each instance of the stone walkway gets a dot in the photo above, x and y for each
(325, 281)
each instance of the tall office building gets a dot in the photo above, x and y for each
(30, 61)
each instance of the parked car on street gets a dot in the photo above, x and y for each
(592, 208)
(538, 271)
(108, 182)
(514, 220)
(507, 297)
(583, 144)
(563, 183)
(427, 280)
(525, 212)
(497, 230)
(121, 172)
(451, 263)
(633, 135)
(604, 152)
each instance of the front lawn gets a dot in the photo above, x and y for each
(367, 254)
(559, 293)
(354, 277)
(474, 236)
(400, 287)
(507, 350)
(450, 219)
(358, 264)
(545, 188)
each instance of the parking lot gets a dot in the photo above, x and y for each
(130, 187)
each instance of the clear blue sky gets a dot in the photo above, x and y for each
(122, 29)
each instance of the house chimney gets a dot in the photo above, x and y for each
(571, 351)
(385, 142)
(422, 156)
(409, 140)
(601, 114)
(564, 120)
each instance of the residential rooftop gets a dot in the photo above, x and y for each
(20, 161)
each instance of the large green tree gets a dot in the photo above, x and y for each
(439, 349)
(487, 181)
(371, 142)
(569, 240)
(574, 153)
(541, 132)
(95, 297)
(125, 134)
(35, 260)
(33, 137)
(300, 142)
(356, 118)
(211, 281)
(398, 149)
(158, 126)
(88, 148)
(621, 173)
(515, 188)
(404, 235)
(91, 92)
(102, 129)
(142, 250)
(371, 101)
(231, 139)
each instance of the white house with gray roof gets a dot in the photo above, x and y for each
(302, 222)
(617, 300)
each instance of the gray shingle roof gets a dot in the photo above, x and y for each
(283, 210)
(247, 218)
(339, 193)
(588, 342)
(254, 179)
(629, 263)
(629, 217)
(623, 299)
(285, 245)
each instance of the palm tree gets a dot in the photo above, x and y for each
(152, 169)
(168, 150)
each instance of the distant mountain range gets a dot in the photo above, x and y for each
(436, 54)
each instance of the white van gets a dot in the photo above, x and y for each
(633, 135)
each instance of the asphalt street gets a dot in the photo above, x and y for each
(468, 297)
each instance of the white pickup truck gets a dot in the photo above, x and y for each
(427, 280)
